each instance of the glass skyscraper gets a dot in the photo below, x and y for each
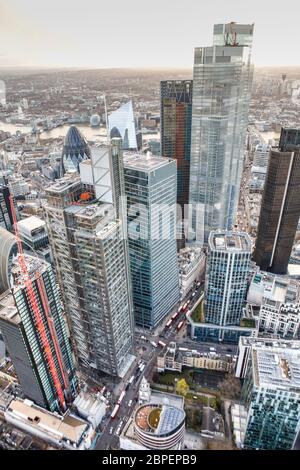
(221, 93)
(226, 283)
(228, 265)
(6, 220)
(271, 394)
(22, 335)
(150, 189)
(121, 124)
(280, 207)
(75, 150)
(176, 122)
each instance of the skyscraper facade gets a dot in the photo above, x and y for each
(90, 258)
(280, 208)
(22, 334)
(221, 93)
(271, 394)
(6, 220)
(227, 271)
(150, 189)
(121, 124)
(75, 150)
(176, 121)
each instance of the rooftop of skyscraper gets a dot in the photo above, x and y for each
(63, 184)
(229, 241)
(277, 365)
(147, 163)
(8, 309)
(34, 266)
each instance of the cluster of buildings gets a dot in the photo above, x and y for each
(109, 223)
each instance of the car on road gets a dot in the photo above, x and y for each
(111, 430)
(130, 403)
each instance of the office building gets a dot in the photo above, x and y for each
(226, 283)
(176, 121)
(34, 235)
(104, 173)
(176, 358)
(157, 422)
(222, 81)
(19, 186)
(271, 396)
(150, 188)
(154, 146)
(43, 374)
(220, 314)
(122, 125)
(6, 220)
(75, 150)
(261, 156)
(280, 208)
(244, 350)
(277, 300)
(90, 257)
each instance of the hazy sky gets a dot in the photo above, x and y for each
(139, 33)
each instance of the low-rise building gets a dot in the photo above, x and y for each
(91, 407)
(279, 301)
(64, 432)
(174, 358)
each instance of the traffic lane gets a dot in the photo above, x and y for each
(106, 439)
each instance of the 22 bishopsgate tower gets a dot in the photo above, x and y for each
(221, 93)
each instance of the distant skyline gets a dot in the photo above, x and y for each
(138, 34)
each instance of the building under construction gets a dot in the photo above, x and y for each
(90, 257)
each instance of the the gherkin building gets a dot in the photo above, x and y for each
(75, 150)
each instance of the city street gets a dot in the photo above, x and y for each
(109, 437)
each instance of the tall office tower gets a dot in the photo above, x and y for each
(176, 122)
(271, 395)
(6, 220)
(150, 188)
(75, 150)
(23, 334)
(121, 124)
(227, 271)
(90, 257)
(280, 208)
(221, 93)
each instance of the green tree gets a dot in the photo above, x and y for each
(230, 387)
(182, 387)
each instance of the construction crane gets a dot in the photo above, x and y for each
(38, 317)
